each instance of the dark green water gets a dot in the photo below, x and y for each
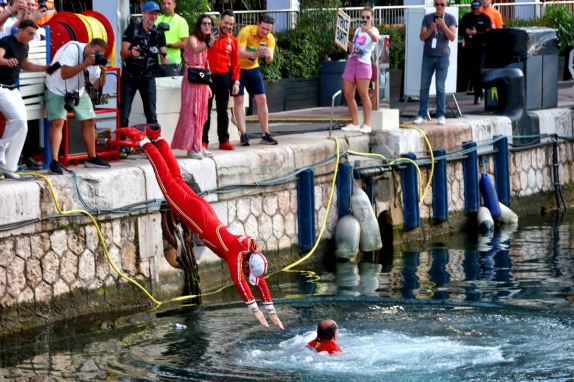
(464, 308)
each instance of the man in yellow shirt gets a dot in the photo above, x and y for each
(254, 41)
(493, 13)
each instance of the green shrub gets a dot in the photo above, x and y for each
(191, 9)
(397, 34)
(560, 18)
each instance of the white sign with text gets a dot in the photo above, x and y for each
(342, 30)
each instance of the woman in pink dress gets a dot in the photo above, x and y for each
(193, 113)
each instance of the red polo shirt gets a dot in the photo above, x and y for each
(223, 56)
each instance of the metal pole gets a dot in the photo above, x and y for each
(332, 107)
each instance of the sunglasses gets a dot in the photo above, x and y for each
(439, 4)
(206, 23)
(366, 17)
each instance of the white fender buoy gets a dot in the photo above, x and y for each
(507, 215)
(347, 236)
(363, 211)
(347, 279)
(485, 221)
(369, 283)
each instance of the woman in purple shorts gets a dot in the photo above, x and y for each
(358, 71)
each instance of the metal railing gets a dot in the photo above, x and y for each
(395, 14)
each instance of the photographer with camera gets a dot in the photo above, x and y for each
(66, 93)
(142, 44)
(437, 30)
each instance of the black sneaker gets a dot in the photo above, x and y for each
(267, 139)
(96, 162)
(244, 140)
(56, 167)
(32, 164)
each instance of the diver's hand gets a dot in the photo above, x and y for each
(259, 315)
(273, 317)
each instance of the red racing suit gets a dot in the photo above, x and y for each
(329, 346)
(198, 215)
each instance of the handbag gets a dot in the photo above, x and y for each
(199, 76)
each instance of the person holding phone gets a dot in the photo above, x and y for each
(194, 97)
(223, 59)
(359, 71)
(255, 41)
(473, 28)
(438, 29)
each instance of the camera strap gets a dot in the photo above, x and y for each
(79, 62)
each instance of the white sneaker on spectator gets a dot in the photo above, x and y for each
(194, 154)
(351, 127)
(206, 153)
(418, 120)
(441, 121)
(365, 129)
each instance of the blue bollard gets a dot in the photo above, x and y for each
(306, 210)
(410, 186)
(370, 181)
(501, 170)
(470, 175)
(439, 188)
(344, 189)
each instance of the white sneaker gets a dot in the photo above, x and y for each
(351, 127)
(441, 121)
(418, 120)
(3, 145)
(206, 153)
(365, 129)
(194, 154)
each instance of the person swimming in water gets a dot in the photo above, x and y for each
(327, 334)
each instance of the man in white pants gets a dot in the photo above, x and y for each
(13, 57)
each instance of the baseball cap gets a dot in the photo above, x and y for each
(476, 4)
(257, 267)
(151, 6)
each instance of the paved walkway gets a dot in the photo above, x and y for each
(320, 117)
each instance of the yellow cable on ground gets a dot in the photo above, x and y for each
(101, 237)
(431, 156)
(318, 240)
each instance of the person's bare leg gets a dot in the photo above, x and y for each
(349, 93)
(55, 137)
(262, 112)
(363, 89)
(89, 136)
(239, 112)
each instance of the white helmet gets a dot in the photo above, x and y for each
(257, 267)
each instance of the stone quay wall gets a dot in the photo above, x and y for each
(55, 267)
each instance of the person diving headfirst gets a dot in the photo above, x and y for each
(239, 251)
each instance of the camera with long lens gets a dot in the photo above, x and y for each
(148, 44)
(100, 59)
(71, 99)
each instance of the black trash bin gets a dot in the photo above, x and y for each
(331, 81)
(534, 50)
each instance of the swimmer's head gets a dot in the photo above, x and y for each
(257, 267)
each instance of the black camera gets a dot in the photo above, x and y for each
(100, 59)
(71, 99)
(162, 27)
(41, 4)
(97, 97)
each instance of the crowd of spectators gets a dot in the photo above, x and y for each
(159, 44)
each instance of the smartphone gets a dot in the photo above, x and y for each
(363, 22)
(215, 32)
(262, 44)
